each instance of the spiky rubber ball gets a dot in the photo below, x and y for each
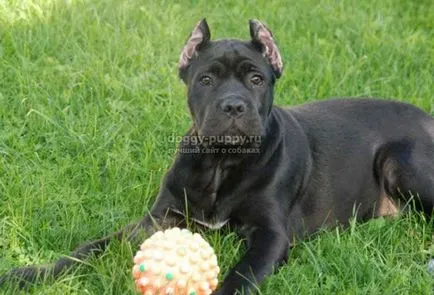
(175, 262)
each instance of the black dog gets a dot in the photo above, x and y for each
(277, 174)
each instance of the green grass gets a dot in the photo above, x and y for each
(89, 94)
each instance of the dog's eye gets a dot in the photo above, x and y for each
(205, 80)
(257, 80)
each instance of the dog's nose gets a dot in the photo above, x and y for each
(233, 107)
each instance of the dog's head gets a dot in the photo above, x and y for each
(230, 82)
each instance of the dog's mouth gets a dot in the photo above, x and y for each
(231, 136)
(216, 130)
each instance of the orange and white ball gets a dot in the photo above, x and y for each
(175, 262)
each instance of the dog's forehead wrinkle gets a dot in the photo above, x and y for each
(227, 44)
(236, 58)
(230, 51)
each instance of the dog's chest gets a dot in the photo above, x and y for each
(208, 204)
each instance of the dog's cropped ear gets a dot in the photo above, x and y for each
(198, 37)
(263, 39)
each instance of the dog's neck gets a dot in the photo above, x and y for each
(209, 180)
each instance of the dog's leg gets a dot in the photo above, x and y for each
(407, 170)
(159, 218)
(25, 275)
(268, 249)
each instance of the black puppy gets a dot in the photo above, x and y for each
(277, 174)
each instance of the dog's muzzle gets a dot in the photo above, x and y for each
(233, 106)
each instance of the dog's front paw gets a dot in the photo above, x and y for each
(218, 292)
(230, 291)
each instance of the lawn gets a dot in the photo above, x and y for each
(89, 99)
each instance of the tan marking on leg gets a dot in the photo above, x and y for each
(386, 206)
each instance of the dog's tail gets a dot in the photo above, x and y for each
(26, 275)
